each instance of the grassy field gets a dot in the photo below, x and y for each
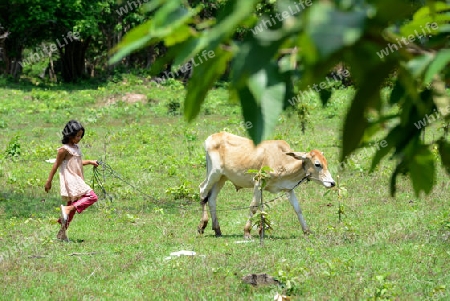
(382, 249)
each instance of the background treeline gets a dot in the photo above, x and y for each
(29, 27)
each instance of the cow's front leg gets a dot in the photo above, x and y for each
(294, 202)
(253, 208)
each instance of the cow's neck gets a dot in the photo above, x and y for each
(296, 170)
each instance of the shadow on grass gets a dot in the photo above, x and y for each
(27, 85)
(255, 238)
(25, 206)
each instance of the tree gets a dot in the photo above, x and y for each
(82, 31)
(26, 28)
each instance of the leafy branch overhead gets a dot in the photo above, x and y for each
(375, 39)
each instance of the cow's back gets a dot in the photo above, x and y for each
(237, 155)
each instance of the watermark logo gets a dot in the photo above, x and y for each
(45, 51)
(187, 67)
(428, 119)
(281, 16)
(129, 7)
(355, 157)
(429, 28)
(318, 87)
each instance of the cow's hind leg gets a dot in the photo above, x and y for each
(204, 219)
(212, 201)
(294, 202)
(213, 176)
(253, 208)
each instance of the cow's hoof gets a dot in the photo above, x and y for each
(200, 230)
(308, 232)
(248, 237)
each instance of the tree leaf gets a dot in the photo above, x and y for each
(368, 95)
(252, 56)
(397, 94)
(390, 139)
(135, 39)
(444, 151)
(420, 25)
(234, 14)
(440, 61)
(262, 101)
(331, 29)
(417, 66)
(204, 77)
(422, 170)
(189, 48)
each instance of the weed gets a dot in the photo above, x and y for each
(384, 289)
(290, 280)
(183, 192)
(173, 107)
(13, 148)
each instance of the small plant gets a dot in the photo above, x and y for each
(303, 111)
(183, 192)
(385, 289)
(13, 148)
(261, 219)
(171, 82)
(173, 107)
(341, 192)
(290, 280)
(190, 137)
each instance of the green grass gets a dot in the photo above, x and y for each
(383, 249)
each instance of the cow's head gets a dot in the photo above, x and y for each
(315, 166)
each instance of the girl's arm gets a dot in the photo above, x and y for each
(62, 152)
(93, 162)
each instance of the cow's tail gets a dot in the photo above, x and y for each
(208, 170)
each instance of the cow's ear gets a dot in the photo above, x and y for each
(298, 155)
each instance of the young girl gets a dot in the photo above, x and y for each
(74, 190)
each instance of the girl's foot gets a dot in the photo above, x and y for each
(62, 235)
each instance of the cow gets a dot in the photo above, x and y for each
(230, 157)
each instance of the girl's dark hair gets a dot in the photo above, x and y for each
(70, 130)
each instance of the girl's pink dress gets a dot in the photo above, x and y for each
(73, 188)
(71, 177)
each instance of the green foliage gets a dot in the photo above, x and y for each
(384, 290)
(261, 220)
(290, 280)
(261, 175)
(183, 191)
(341, 192)
(13, 148)
(273, 64)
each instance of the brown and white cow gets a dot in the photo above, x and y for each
(230, 157)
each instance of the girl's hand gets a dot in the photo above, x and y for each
(94, 162)
(48, 186)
